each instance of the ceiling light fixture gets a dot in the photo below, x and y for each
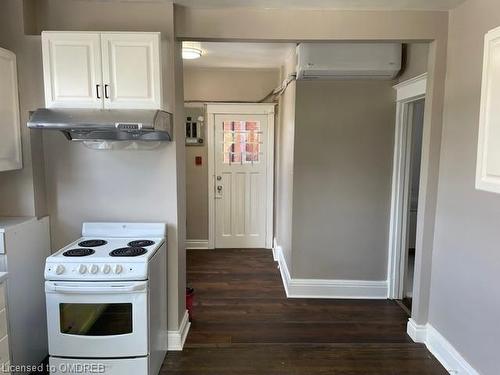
(191, 50)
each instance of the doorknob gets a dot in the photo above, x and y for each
(219, 178)
(218, 195)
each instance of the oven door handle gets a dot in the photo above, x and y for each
(107, 289)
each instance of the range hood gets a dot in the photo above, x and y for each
(105, 125)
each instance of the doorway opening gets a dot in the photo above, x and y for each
(230, 142)
(416, 119)
(405, 189)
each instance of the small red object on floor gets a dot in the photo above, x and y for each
(189, 302)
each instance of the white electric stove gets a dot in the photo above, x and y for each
(106, 300)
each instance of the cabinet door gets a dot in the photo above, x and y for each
(131, 70)
(72, 70)
(488, 152)
(10, 131)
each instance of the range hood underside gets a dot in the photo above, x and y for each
(105, 125)
(115, 135)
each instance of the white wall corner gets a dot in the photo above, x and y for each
(327, 288)
(417, 332)
(196, 244)
(275, 250)
(176, 339)
(441, 348)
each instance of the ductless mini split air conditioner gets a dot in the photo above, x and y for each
(348, 60)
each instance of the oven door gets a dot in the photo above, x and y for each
(97, 319)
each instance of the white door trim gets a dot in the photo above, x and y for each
(240, 109)
(408, 91)
(411, 88)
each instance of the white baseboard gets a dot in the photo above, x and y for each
(417, 332)
(327, 288)
(176, 339)
(437, 344)
(275, 250)
(275, 254)
(196, 244)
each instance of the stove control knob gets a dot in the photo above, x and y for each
(60, 269)
(94, 268)
(118, 269)
(106, 269)
(82, 268)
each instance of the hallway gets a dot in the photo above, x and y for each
(244, 324)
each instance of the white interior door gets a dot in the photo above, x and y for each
(131, 70)
(72, 70)
(241, 145)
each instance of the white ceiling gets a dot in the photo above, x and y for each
(241, 55)
(325, 4)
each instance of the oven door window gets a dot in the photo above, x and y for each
(95, 319)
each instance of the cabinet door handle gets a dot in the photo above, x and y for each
(97, 87)
(106, 95)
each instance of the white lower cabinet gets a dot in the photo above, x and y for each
(119, 366)
(24, 246)
(4, 337)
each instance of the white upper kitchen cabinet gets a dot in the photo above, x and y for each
(72, 70)
(488, 153)
(131, 70)
(10, 130)
(102, 69)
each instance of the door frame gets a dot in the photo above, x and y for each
(407, 92)
(240, 109)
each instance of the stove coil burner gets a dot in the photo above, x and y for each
(128, 252)
(78, 252)
(92, 243)
(141, 243)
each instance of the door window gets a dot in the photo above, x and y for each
(95, 319)
(242, 142)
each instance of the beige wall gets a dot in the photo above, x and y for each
(86, 185)
(417, 55)
(196, 185)
(284, 146)
(344, 134)
(299, 24)
(465, 299)
(226, 84)
(208, 85)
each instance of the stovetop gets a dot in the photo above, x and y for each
(108, 250)
(122, 255)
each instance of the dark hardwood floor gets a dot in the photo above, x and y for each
(244, 325)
